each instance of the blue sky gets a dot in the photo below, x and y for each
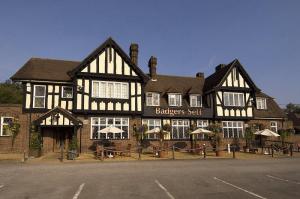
(185, 36)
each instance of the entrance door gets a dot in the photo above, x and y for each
(61, 138)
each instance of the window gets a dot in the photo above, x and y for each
(261, 103)
(195, 100)
(174, 99)
(234, 99)
(99, 123)
(67, 92)
(202, 124)
(233, 129)
(116, 90)
(273, 126)
(152, 123)
(5, 121)
(39, 95)
(180, 129)
(152, 99)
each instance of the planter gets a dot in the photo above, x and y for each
(219, 153)
(35, 153)
(72, 154)
(162, 154)
(246, 149)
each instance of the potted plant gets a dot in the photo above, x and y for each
(35, 148)
(72, 148)
(165, 129)
(284, 133)
(249, 135)
(217, 138)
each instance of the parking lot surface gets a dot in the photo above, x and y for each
(215, 178)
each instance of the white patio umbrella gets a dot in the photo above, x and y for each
(156, 130)
(111, 129)
(201, 131)
(267, 132)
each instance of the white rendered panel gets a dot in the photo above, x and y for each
(93, 66)
(56, 100)
(27, 105)
(119, 64)
(139, 103)
(110, 62)
(49, 101)
(102, 62)
(126, 106)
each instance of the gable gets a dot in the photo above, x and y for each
(237, 77)
(109, 59)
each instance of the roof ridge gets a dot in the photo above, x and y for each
(52, 59)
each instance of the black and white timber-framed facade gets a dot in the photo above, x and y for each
(108, 88)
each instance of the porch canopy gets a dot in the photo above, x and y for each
(58, 117)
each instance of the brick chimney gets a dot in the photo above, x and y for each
(134, 51)
(152, 67)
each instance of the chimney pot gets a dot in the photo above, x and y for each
(152, 67)
(200, 75)
(134, 51)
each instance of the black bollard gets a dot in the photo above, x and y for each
(291, 150)
(140, 151)
(173, 152)
(62, 152)
(233, 151)
(272, 151)
(204, 151)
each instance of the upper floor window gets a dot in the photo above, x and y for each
(234, 99)
(5, 121)
(273, 126)
(39, 96)
(152, 99)
(105, 89)
(175, 99)
(195, 100)
(261, 103)
(67, 92)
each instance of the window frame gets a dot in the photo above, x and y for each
(2, 125)
(106, 125)
(233, 96)
(63, 92)
(115, 95)
(175, 94)
(34, 96)
(150, 127)
(198, 103)
(263, 103)
(232, 127)
(177, 126)
(152, 99)
(200, 124)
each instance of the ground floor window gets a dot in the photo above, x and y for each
(180, 129)
(273, 126)
(99, 123)
(4, 122)
(233, 129)
(151, 124)
(202, 124)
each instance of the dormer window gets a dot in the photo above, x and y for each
(175, 99)
(195, 100)
(261, 103)
(152, 99)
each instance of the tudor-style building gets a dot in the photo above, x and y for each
(108, 88)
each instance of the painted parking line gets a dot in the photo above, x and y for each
(1, 186)
(240, 188)
(281, 179)
(78, 191)
(165, 190)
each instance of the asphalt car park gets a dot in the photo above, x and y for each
(215, 178)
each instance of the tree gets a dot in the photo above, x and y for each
(218, 137)
(10, 93)
(292, 108)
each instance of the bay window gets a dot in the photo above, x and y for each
(180, 129)
(112, 90)
(151, 124)
(234, 99)
(233, 129)
(99, 123)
